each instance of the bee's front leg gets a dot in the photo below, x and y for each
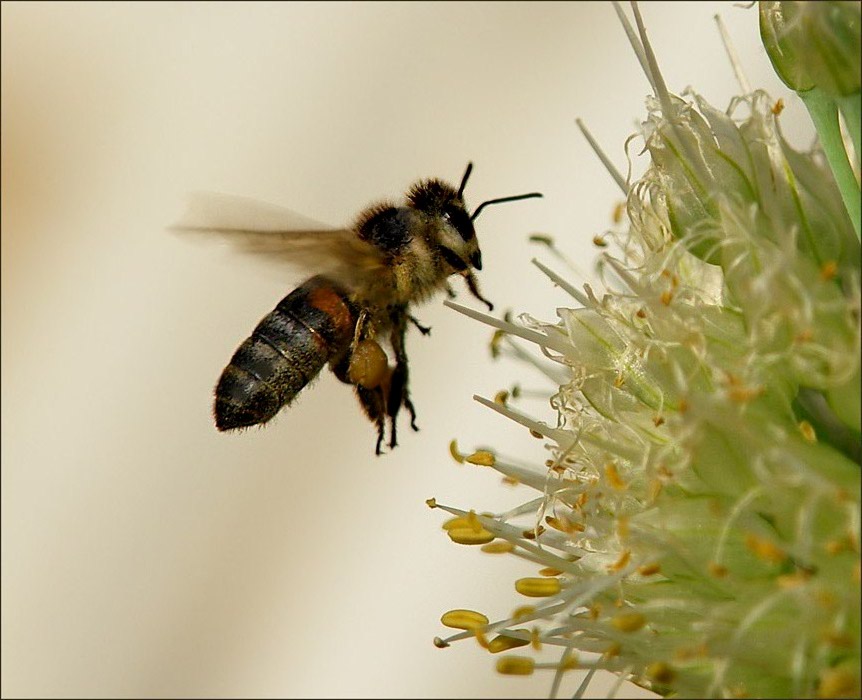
(473, 286)
(424, 330)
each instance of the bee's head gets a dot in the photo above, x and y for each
(453, 232)
(456, 237)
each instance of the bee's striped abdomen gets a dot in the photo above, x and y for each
(284, 353)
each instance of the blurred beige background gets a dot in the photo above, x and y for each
(143, 554)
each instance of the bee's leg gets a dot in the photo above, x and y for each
(358, 332)
(373, 401)
(373, 404)
(424, 330)
(473, 286)
(450, 292)
(399, 393)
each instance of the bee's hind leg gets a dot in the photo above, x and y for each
(373, 401)
(373, 405)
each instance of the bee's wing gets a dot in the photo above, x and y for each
(281, 236)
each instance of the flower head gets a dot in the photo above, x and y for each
(697, 519)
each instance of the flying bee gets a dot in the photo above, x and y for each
(368, 278)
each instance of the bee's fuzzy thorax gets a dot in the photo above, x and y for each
(385, 226)
(371, 212)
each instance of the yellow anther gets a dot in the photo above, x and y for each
(794, 580)
(807, 431)
(511, 481)
(613, 650)
(464, 619)
(649, 569)
(431, 502)
(498, 547)
(622, 527)
(459, 521)
(523, 611)
(717, 570)
(619, 210)
(658, 421)
(683, 654)
(534, 533)
(453, 450)
(515, 665)
(467, 535)
(440, 643)
(828, 270)
(556, 523)
(504, 643)
(536, 639)
(628, 622)
(660, 672)
(614, 478)
(599, 242)
(621, 563)
(549, 571)
(501, 397)
(744, 394)
(538, 587)
(482, 458)
(496, 339)
(840, 640)
(536, 434)
(571, 663)
(542, 238)
(481, 639)
(564, 524)
(778, 107)
(764, 549)
(666, 297)
(838, 682)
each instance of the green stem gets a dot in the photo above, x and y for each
(851, 110)
(824, 114)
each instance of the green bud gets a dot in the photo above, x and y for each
(814, 44)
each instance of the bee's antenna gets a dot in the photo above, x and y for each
(514, 198)
(464, 180)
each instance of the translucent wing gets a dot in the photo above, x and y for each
(281, 236)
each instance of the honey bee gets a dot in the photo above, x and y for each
(367, 279)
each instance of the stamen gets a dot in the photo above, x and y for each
(464, 619)
(735, 63)
(563, 284)
(615, 174)
(538, 587)
(515, 665)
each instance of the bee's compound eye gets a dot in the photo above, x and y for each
(369, 365)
